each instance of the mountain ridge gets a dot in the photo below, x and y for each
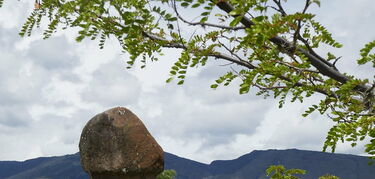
(250, 165)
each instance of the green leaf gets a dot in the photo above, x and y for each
(167, 174)
(180, 82)
(205, 13)
(330, 56)
(185, 4)
(204, 19)
(195, 5)
(235, 12)
(169, 80)
(173, 72)
(365, 54)
(259, 18)
(172, 19)
(244, 88)
(235, 21)
(170, 26)
(316, 2)
(214, 86)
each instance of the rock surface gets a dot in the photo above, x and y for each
(116, 144)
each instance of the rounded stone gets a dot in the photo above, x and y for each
(116, 144)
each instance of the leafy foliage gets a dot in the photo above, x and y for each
(327, 176)
(365, 54)
(269, 50)
(167, 174)
(279, 172)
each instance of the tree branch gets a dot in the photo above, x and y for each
(277, 40)
(296, 68)
(232, 53)
(315, 60)
(281, 9)
(169, 44)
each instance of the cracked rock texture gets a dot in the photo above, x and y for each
(115, 144)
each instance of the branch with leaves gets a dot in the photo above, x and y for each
(274, 51)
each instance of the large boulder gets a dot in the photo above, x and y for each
(116, 144)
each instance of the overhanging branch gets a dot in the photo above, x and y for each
(325, 68)
(168, 44)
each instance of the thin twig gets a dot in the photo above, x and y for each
(228, 64)
(232, 53)
(334, 63)
(203, 24)
(269, 87)
(296, 68)
(281, 9)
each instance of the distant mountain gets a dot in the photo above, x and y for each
(63, 167)
(248, 166)
(254, 164)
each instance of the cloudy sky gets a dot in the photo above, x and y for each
(50, 88)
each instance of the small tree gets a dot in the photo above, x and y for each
(167, 174)
(279, 172)
(268, 49)
(327, 176)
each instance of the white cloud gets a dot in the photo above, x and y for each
(50, 88)
(13, 13)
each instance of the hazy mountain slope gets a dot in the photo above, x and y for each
(186, 169)
(9, 168)
(62, 167)
(252, 165)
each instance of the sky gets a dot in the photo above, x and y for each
(50, 88)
